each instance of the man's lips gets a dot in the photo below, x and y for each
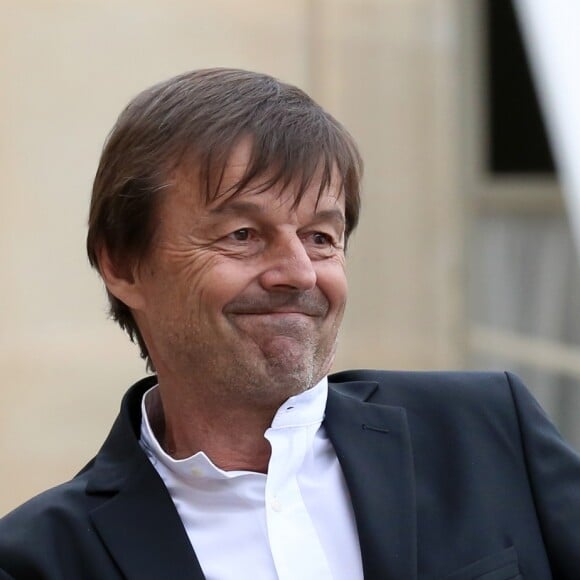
(313, 304)
(280, 313)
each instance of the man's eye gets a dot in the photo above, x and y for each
(241, 235)
(321, 239)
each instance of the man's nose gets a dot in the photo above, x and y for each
(288, 266)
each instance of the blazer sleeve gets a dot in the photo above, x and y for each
(554, 473)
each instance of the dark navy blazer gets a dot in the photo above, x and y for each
(452, 476)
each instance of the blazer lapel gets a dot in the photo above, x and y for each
(373, 446)
(143, 532)
(135, 516)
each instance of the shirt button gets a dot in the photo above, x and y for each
(276, 505)
(196, 471)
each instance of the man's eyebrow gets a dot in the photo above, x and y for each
(334, 215)
(251, 208)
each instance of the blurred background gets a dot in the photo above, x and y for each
(465, 254)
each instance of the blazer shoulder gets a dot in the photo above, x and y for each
(32, 531)
(430, 380)
(452, 390)
(56, 504)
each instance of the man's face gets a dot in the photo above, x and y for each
(245, 295)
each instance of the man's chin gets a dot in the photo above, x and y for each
(286, 350)
(282, 363)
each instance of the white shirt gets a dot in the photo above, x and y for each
(293, 523)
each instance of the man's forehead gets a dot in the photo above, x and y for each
(229, 183)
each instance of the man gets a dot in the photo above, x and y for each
(219, 220)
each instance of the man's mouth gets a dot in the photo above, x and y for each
(276, 313)
(289, 323)
(279, 306)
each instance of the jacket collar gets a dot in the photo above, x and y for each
(138, 522)
(373, 446)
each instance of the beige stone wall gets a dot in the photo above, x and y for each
(386, 68)
(389, 69)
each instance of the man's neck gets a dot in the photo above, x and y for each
(231, 436)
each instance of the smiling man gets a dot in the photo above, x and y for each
(238, 302)
(219, 220)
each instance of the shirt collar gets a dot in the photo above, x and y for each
(301, 410)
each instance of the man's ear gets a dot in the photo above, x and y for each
(121, 281)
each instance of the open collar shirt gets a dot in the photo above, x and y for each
(293, 522)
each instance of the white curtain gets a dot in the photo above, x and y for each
(551, 32)
(525, 279)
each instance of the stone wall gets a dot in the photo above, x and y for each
(386, 68)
